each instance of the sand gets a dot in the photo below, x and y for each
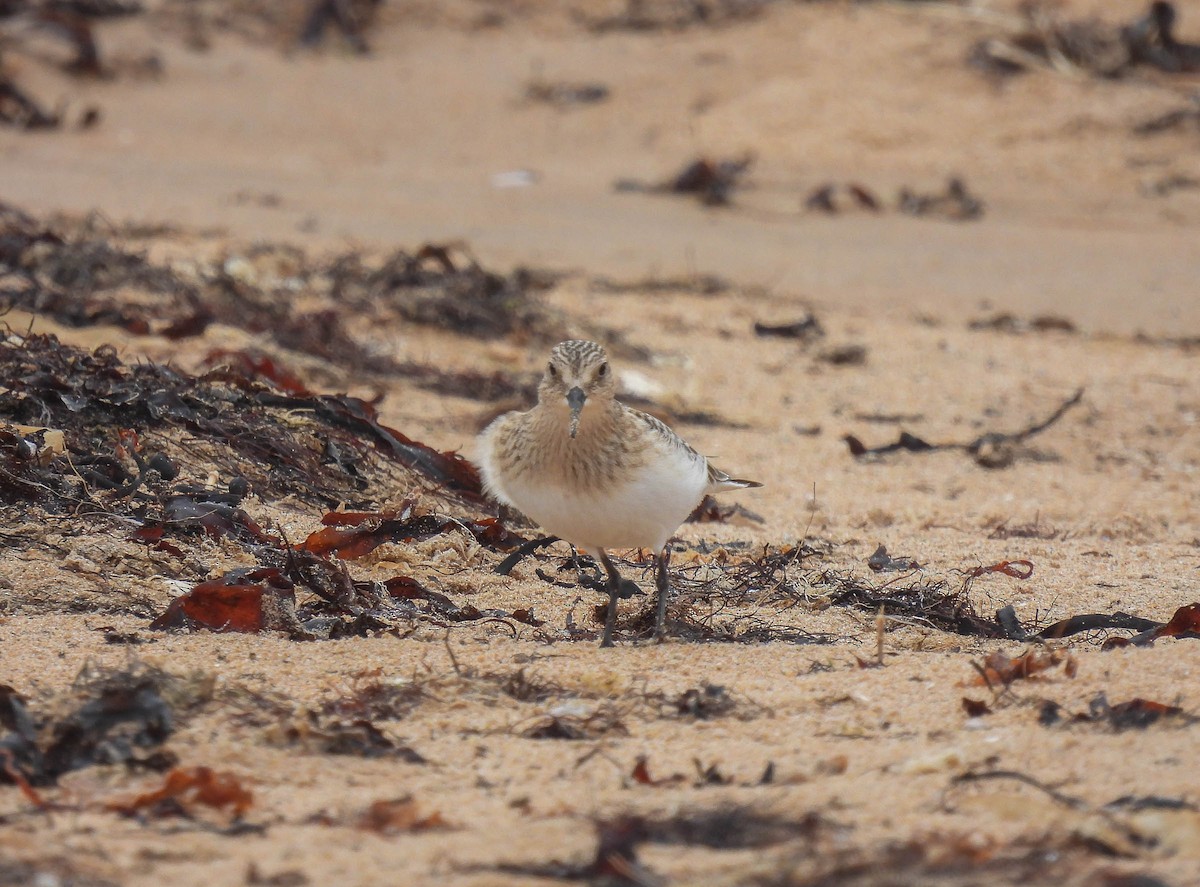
(250, 142)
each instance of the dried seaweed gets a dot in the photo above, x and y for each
(19, 109)
(1089, 46)
(712, 181)
(1133, 714)
(927, 601)
(183, 789)
(991, 450)
(832, 198)
(676, 15)
(354, 535)
(955, 204)
(82, 276)
(119, 718)
(576, 720)
(806, 328)
(399, 815)
(284, 444)
(350, 17)
(565, 94)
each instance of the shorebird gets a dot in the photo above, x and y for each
(596, 472)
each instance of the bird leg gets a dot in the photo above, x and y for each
(663, 583)
(617, 589)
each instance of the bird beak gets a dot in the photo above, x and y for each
(575, 400)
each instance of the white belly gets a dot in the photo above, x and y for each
(644, 513)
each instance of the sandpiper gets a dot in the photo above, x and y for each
(596, 472)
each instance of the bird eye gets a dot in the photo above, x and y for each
(552, 371)
(603, 371)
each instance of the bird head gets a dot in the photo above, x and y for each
(577, 374)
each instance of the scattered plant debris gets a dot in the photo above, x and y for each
(317, 447)
(955, 204)
(706, 702)
(121, 714)
(1134, 714)
(183, 789)
(712, 181)
(1005, 322)
(577, 720)
(20, 110)
(926, 601)
(999, 670)
(732, 828)
(975, 708)
(711, 511)
(833, 198)
(350, 17)
(805, 329)
(565, 94)
(641, 775)
(256, 600)
(991, 450)
(1031, 530)
(850, 355)
(882, 562)
(693, 284)
(350, 535)
(1089, 46)
(398, 816)
(675, 15)
(1186, 118)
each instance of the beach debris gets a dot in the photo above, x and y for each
(185, 788)
(833, 198)
(711, 510)
(848, 355)
(955, 204)
(882, 562)
(805, 328)
(1168, 184)
(1017, 569)
(399, 815)
(674, 15)
(1004, 322)
(641, 775)
(574, 720)
(1042, 38)
(691, 284)
(120, 717)
(999, 670)
(256, 600)
(1185, 118)
(990, 450)
(19, 109)
(565, 94)
(1030, 530)
(711, 180)
(350, 535)
(1133, 714)
(975, 708)
(349, 17)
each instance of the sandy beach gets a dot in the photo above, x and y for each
(271, 286)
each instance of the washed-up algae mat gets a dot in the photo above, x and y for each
(260, 625)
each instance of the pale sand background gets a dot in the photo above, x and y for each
(400, 147)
